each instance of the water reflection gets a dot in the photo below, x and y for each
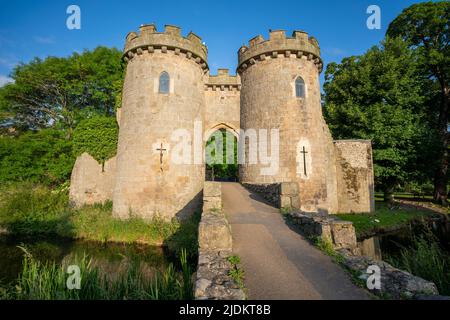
(391, 244)
(111, 258)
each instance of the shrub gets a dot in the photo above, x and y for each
(44, 156)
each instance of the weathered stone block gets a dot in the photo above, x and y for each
(214, 232)
(295, 202)
(344, 235)
(212, 203)
(212, 189)
(289, 188)
(395, 283)
(285, 202)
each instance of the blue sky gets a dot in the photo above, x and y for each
(38, 28)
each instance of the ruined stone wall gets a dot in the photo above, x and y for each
(222, 99)
(145, 185)
(268, 71)
(355, 183)
(91, 182)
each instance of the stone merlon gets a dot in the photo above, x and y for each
(171, 39)
(299, 44)
(223, 79)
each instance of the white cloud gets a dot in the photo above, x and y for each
(5, 80)
(44, 40)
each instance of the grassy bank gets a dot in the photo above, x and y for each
(383, 219)
(49, 281)
(27, 210)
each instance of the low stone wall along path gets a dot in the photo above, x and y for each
(278, 262)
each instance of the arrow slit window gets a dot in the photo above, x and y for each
(164, 82)
(299, 88)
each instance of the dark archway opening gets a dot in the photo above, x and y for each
(221, 155)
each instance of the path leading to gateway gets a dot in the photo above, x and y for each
(278, 262)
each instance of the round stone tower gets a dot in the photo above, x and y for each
(163, 94)
(281, 90)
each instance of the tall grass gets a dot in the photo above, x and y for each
(425, 259)
(30, 210)
(47, 281)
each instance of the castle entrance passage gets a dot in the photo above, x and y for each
(221, 154)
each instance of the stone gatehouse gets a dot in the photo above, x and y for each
(168, 88)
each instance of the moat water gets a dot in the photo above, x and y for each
(391, 244)
(108, 257)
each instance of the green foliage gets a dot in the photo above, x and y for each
(26, 209)
(47, 281)
(426, 260)
(217, 166)
(236, 273)
(57, 92)
(29, 210)
(184, 237)
(425, 28)
(384, 218)
(325, 246)
(234, 260)
(97, 136)
(377, 96)
(44, 156)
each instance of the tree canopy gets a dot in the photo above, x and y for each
(425, 29)
(56, 109)
(59, 92)
(378, 96)
(44, 156)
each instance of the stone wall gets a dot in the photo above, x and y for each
(341, 234)
(395, 283)
(355, 181)
(222, 98)
(281, 195)
(213, 281)
(90, 182)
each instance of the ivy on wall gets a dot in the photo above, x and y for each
(97, 136)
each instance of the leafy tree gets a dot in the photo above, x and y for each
(44, 156)
(58, 92)
(425, 27)
(377, 96)
(97, 136)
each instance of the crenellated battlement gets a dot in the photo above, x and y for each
(223, 81)
(149, 40)
(298, 45)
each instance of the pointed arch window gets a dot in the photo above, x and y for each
(299, 88)
(164, 82)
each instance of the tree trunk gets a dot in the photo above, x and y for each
(388, 194)
(440, 177)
